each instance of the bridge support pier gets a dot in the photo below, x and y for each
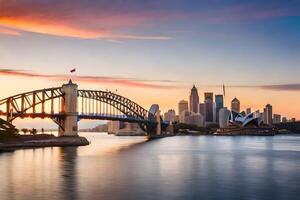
(69, 108)
(158, 126)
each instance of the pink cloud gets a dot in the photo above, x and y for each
(6, 31)
(130, 82)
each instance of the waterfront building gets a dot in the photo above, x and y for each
(194, 100)
(293, 119)
(235, 105)
(276, 119)
(170, 115)
(268, 114)
(183, 105)
(219, 104)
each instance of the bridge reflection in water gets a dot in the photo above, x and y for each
(67, 105)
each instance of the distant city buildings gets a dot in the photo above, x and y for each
(124, 128)
(210, 112)
(194, 100)
(235, 105)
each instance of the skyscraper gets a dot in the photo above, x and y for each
(235, 105)
(194, 100)
(219, 105)
(182, 107)
(268, 114)
(209, 113)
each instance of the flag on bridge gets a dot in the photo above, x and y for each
(73, 70)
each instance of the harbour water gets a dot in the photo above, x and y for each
(183, 167)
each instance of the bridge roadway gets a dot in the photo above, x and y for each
(90, 116)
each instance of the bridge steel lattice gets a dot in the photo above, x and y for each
(67, 105)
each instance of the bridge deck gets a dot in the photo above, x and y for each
(91, 116)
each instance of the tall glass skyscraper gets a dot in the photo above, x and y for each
(194, 100)
(219, 104)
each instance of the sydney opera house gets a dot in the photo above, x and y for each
(233, 123)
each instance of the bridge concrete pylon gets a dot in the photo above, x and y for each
(69, 123)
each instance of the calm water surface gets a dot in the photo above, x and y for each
(186, 167)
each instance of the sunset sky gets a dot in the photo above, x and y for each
(152, 51)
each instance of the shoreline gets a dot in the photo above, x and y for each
(40, 140)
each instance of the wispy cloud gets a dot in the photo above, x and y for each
(6, 31)
(277, 87)
(129, 82)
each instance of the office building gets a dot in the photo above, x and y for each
(194, 100)
(219, 104)
(268, 115)
(182, 106)
(235, 105)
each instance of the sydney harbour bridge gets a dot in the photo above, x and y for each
(66, 105)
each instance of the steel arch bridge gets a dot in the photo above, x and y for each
(67, 105)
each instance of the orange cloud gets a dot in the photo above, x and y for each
(66, 29)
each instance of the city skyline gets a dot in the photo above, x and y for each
(154, 51)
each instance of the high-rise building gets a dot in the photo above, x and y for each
(209, 113)
(248, 111)
(219, 104)
(194, 100)
(224, 115)
(235, 105)
(170, 115)
(182, 106)
(276, 119)
(268, 114)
